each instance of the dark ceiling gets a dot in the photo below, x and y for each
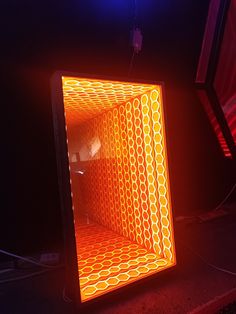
(93, 35)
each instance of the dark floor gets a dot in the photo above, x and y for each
(191, 284)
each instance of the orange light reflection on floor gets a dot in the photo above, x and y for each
(119, 182)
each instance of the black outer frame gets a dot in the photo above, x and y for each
(208, 84)
(59, 123)
(72, 286)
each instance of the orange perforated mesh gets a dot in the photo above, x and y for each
(119, 181)
(107, 260)
(95, 96)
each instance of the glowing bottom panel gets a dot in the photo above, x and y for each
(107, 260)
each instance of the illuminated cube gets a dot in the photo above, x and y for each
(113, 180)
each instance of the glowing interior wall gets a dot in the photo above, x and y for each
(119, 182)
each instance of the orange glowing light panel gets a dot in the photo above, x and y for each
(119, 182)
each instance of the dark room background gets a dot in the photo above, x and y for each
(85, 36)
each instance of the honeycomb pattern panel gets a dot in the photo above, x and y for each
(125, 184)
(85, 98)
(112, 261)
(121, 173)
(162, 173)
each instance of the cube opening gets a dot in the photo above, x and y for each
(119, 182)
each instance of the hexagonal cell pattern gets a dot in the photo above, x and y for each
(95, 96)
(111, 260)
(119, 181)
